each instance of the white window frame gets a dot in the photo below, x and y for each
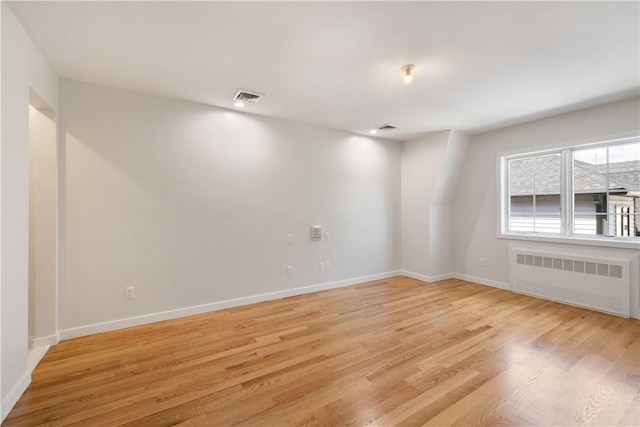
(566, 197)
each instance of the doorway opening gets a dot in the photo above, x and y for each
(43, 208)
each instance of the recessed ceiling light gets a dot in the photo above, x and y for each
(372, 131)
(407, 71)
(239, 104)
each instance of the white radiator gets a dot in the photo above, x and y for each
(601, 283)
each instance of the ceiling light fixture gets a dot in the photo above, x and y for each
(407, 71)
(239, 104)
(373, 131)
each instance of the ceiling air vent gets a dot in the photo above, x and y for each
(387, 126)
(246, 96)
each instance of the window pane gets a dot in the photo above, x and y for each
(547, 214)
(585, 225)
(589, 170)
(521, 218)
(624, 224)
(521, 177)
(594, 225)
(585, 208)
(592, 156)
(623, 221)
(619, 225)
(609, 178)
(624, 189)
(609, 225)
(547, 175)
(534, 185)
(624, 167)
(547, 199)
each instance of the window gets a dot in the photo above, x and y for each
(590, 191)
(534, 193)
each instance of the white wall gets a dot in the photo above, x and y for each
(420, 167)
(430, 171)
(42, 225)
(476, 219)
(192, 204)
(22, 67)
(441, 224)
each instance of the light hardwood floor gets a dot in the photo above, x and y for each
(391, 352)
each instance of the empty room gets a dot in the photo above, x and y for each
(320, 213)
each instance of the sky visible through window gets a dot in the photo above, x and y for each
(617, 154)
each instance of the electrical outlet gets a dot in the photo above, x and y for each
(327, 265)
(322, 266)
(481, 262)
(289, 239)
(327, 236)
(129, 292)
(289, 270)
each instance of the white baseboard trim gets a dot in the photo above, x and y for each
(474, 279)
(487, 282)
(47, 341)
(35, 355)
(428, 279)
(14, 394)
(219, 305)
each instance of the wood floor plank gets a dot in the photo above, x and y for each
(390, 352)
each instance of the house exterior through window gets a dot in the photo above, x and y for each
(583, 191)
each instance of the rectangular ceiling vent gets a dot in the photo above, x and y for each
(387, 126)
(246, 96)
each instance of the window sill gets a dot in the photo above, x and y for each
(622, 243)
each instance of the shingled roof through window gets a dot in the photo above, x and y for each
(588, 178)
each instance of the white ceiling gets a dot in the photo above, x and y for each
(480, 65)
